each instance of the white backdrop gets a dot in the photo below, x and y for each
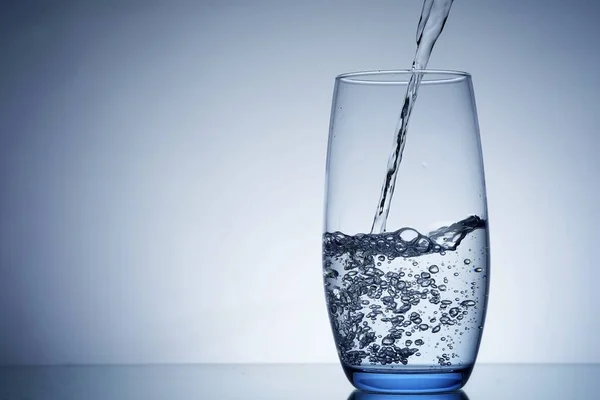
(162, 169)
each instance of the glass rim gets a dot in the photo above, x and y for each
(390, 77)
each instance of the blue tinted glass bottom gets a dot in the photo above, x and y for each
(407, 381)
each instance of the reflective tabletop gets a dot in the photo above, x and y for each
(282, 381)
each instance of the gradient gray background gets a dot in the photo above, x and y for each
(162, 169)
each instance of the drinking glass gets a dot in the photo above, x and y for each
(406, 305)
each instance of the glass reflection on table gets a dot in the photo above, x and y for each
(361, 395)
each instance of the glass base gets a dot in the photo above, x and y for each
(407, 381)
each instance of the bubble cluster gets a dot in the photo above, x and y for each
(387, 307)
(405, 242)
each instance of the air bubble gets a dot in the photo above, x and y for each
(467, 261)
(419, 342)
(381, 258)
(434, 269)
(388, 341)
(478, 269)
(408, 234)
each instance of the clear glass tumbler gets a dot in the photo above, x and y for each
(407, 305)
